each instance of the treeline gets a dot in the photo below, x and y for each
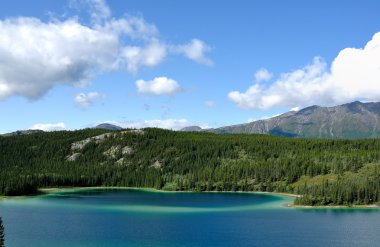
(324, 172)
(360, 187)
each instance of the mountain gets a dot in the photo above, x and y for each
(192, 128)
(348, 121)
(23, 132)
(107, 126)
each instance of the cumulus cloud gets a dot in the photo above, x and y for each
(85, 100)
(263, 75)
(149, 56)
(158, 86)
(353, 75)
(195, 50)
(37, 55)
(174, 124)
(49, 126)
(210, 103)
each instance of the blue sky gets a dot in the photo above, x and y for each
(73, 64)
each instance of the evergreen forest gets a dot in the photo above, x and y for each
(322, 172)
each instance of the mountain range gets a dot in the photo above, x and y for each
(347, 121)
(355, 120)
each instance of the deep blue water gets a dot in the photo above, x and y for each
(141, 218)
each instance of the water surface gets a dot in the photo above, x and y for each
(99, 217)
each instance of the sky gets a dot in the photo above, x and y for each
(170, 64)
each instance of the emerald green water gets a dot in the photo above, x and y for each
(104, 217)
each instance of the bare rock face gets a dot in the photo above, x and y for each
(73, 157)
(80, 145)
(112, 152)
(100, 138)
(136, 131)
(126, 150)
(120, 161)
(157, 165)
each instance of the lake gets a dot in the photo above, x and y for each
(127, 217)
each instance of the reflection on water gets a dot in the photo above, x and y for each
(2, 237)
(146, 201)
(98, 218)
(339, 211)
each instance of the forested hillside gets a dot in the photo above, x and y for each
(324, 172)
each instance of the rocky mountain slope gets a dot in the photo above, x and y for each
(352, 120)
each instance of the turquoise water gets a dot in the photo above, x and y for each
(97, 218)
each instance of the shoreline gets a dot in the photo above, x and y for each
(354, 206)
(52, 189)
(288, 205)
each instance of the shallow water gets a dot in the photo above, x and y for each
(144, 218)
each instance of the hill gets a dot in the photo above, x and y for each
(324, 172)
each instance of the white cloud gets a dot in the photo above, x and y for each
(195, 50)
(85, 100)
(263, 75)
(262, 118)
(210, 103)
(37, 55)
(49, 126)
(173, 124)
(149, 56)
(133, 27)
(295, 108)
(99, 10)
(353, 75)
(158, 86)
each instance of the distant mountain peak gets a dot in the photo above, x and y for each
(357, 102)
(108, 126)
(23, 132)
(192, 128)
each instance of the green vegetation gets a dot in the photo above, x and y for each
(324, 172)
